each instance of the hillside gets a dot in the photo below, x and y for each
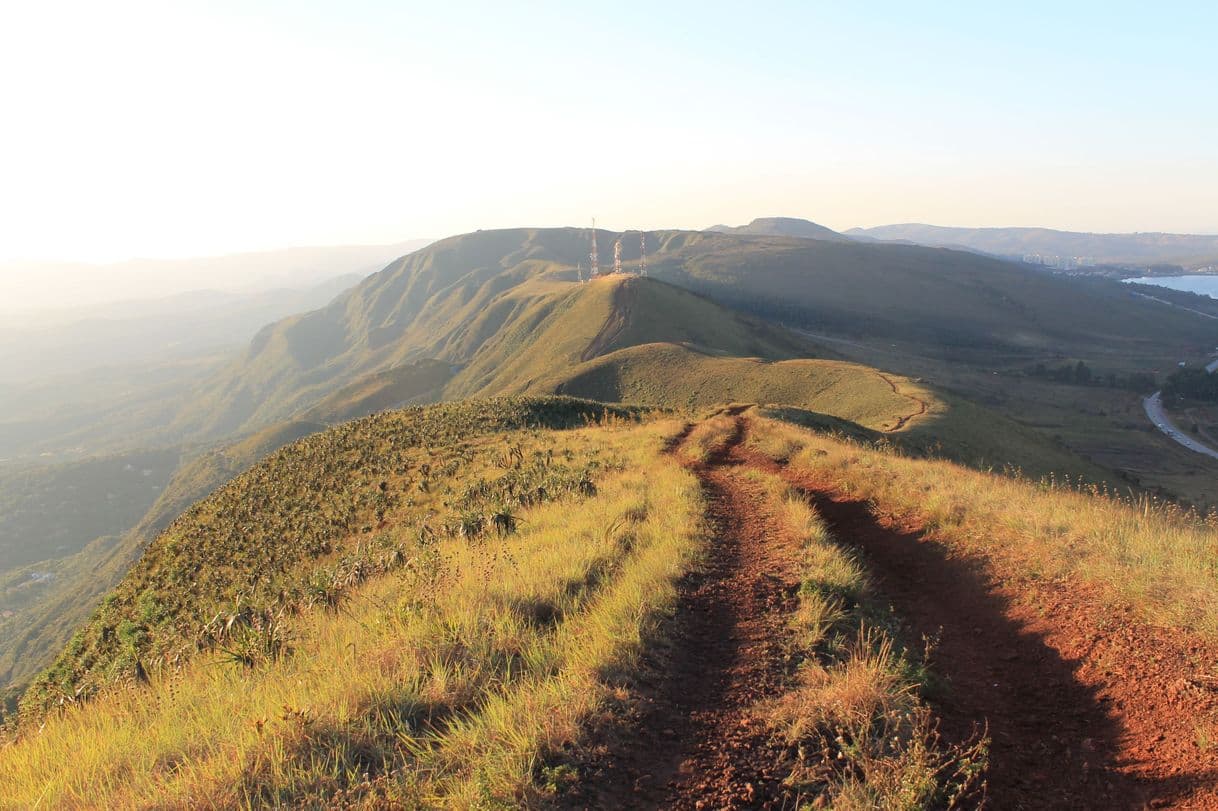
(41, 612)
(1188, 250)
(782, 227)
(623, 339)
(589, 321)
(471, 298)
(324, 491)
(489, 604)
(500, 312)
(845, 398)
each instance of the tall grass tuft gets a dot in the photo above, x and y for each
(1136, 550)
(442, 682)
(859, 735)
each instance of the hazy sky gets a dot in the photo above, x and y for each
(177, 128)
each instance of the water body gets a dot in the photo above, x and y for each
(1205, 285)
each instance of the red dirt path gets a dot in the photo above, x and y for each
(691, 743)
(1085, 708)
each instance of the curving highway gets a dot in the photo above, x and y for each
(1158, 416)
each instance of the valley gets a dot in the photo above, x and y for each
(372, 475)
(794, 407)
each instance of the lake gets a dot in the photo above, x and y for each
(1205, 285)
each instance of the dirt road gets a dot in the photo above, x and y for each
(1084, 709)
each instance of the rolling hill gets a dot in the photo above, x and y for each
(1141, 249)
(476, 301)
(782, 227)
(499, 313)
(503, 312)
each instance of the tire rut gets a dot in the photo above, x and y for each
(1071, 727)
(691, 742)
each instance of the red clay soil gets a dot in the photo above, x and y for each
(691, 743)
(1086, 708)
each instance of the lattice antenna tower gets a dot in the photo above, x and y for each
(617, 256)
(642, 253)
(594, 255)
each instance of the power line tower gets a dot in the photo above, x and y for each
(594, 255)
(642, 253)
(617, 256)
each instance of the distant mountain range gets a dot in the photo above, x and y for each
(34, 288)
(1070, 248)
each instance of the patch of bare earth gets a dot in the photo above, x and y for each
(1086, 707)
(691, 742)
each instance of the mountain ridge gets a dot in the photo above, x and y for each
(1146, 247)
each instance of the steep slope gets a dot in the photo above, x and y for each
(469, 298)
(256, 543)
(557, 333)
(38, 625)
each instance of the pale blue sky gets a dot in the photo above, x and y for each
(172, 129)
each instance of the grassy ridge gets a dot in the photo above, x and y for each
(674, 375)
(554, 335)
(281, 535)
(47, 612)
(442, 683)
(485, 290)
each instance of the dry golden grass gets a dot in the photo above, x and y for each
(708, 437)
(864, 737)
(1154, 556)
(442, 685)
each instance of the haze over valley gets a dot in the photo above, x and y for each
(753, 492)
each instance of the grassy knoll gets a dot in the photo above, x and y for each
(441, 676)
(844, 397)
(674, 375)
(558, 333)
(1151, 555)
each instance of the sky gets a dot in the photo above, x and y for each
(132, 129)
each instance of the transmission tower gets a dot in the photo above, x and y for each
(617, 256)
(594, 255)
(642, 253)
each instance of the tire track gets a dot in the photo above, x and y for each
(691, 743)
